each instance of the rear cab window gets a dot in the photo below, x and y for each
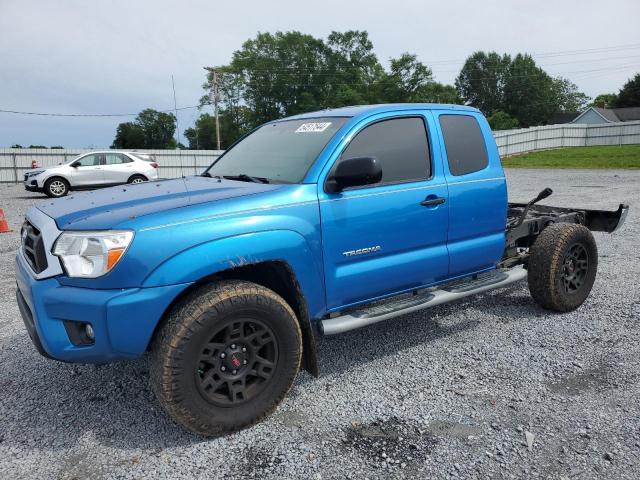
(464, 144)
(400, 145)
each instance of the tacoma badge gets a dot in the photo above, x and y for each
(361, 251)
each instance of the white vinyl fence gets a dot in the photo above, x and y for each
(14, 162)
(523, 140)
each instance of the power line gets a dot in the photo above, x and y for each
(562, 53)
(329, 73)
(539, 55)
(43, 114)
(528, 75)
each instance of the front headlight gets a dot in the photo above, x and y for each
(91, 254)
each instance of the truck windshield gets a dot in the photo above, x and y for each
(280, 152)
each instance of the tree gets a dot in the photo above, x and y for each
(128, 135)
(37, 146)
(629, 95)
(605, 100)
(353, 70)
(57, 147)
(516, 86)
(286, 73)
(436, 92)
(529, 92)
(407, 80)
(502, 121)
(283, 74)
(567, 96)
(158, 128)
(16, 145)
(482, 80)
(203, 135)
(150, 129)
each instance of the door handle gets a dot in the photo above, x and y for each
(432, 202)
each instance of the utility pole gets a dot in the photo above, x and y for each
(215, 98)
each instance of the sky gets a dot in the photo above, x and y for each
(118, 56)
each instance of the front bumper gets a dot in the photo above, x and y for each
(123, 320)
(31, 185)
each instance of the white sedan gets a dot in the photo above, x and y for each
(92, 170)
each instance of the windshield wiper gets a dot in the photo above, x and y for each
(207, 174)
(246, 178)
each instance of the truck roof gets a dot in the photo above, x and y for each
(364, 110)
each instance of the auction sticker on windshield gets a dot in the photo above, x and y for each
(313, 127)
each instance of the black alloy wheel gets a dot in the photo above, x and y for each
(574, 268)
(237, 362)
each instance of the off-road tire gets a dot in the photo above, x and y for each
(56, 187)
(175, 368)
(548, 272)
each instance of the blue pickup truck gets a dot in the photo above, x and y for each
(310, 225)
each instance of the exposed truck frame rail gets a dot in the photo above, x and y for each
(525, 221)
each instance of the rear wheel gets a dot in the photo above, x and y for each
(137, 179)
(56, 187)
(226, 357)
(563, 266)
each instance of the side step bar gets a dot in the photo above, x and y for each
(429, 298)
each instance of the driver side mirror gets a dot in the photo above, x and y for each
(74, 165)
(354, 172)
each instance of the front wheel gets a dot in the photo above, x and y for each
(56, 187)
(226, 357)
(563, 266)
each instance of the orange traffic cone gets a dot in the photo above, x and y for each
(4, 226)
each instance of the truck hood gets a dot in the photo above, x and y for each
(109, 207)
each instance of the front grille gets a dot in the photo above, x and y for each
(33, 247)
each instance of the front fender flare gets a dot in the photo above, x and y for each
(204, 260)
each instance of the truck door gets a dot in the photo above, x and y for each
(388, 237)
(477, 192)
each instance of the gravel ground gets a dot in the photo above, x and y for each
(489, 387)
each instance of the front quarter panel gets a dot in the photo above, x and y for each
(277, 245)
(61, 171)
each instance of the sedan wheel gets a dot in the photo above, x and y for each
(56, 187)
(136, 179)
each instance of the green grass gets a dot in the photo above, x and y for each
(625, 156)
